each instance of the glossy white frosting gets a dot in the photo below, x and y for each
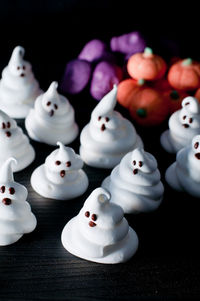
(100, 233)
(52, 118)
(135, 183)
(18, 86)
(108, 136)
(184, 174)
(16, 217)
(61, 176)
(184, 124)
(14, 143)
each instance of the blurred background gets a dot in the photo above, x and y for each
(53, 32)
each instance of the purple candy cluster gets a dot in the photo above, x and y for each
(96, 64)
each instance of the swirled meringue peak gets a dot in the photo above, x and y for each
(14, 143)
(18, 86)
(184, 124)
(16, 217)
(61, 176)
(52, 118)
(100, 233)
(108, 136)
(135, 183)
(184, 174)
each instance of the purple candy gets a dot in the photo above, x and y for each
(130, 43)
(105, 75)
(94, 50)
(76, 77)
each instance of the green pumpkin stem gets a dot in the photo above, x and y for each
(141, 82)
(148, 51)
(187, 62)
(141, 112)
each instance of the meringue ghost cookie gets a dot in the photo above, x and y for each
(16, 217)
(135, 183)
(100, 233)
(184, 174)
(61, 176)
(184, 124)
(14, 143)
(18, 86)
(108, 136)
(52, 118)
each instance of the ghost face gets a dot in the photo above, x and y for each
(64, 167)
(5, 126)
(196, 147)
(137, 164)
(51, 107)
(21, 69)
(92, 218)
(107, 122)
(11, 192)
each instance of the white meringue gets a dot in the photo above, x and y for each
(18, 86)
(16, 217)
(184, 174)
(100, 233)
(52, 118)
(61, 176)
(14, 143)
(108, 136)
(135, 183)
(184, 124)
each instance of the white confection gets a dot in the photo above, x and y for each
(184, 124)
(61, 176)
(108, 136)
(100, 233)
(52, 118)
(16, 217)
(18, 86)
(184, 174)
(135, 183)
(14, 143)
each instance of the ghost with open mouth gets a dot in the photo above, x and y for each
(52, 118)
(14, 143)
(16, 217)
(184, 124)
(18, 86)
(100, 233)
(108, 136)
(135, 183)
(184, 174)
(61, 176)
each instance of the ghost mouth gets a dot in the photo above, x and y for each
(185, 125)
(92, 224)
(103, 127)
(197, 155)
(22, 74)
(51, 113)
(8, 134)
(6, 201)
(62, 173)
(135, 171)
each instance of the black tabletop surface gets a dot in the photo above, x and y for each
(37, 267)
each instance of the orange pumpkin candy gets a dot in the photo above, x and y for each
(126, 90)
(185, 75)
(146, 65)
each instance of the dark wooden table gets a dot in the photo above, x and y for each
(37, 267)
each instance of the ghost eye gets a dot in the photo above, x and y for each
(140, 163)
(3, 125)
(2, 189)
(190, 120)
(18, 68)
(87, 213)
(57, 162)
(99, 118)
(184, 117)
(107, 119)
(12, 190)
(24, 68)
(94, 217)
(8, 125)
(196, 145)
(134, 162)
(48, 103)
(55, 106)
(68, 164)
